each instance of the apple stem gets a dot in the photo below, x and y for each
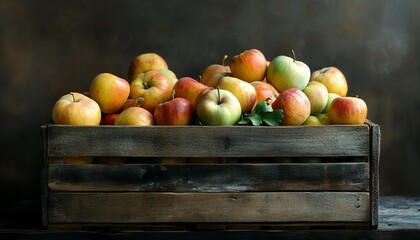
(72, 95)
(218, 95)
(294, 56)
(145, 85)
(173, 94)
(138, 101)
(224, 59)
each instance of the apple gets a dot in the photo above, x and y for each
(135, 116)
(109, 91)
(189, 88)
(285, 72)
(312, 121)
(323, 118)
(76, 109)
(153, 86)
(213, 81)
(243, 91)
(131, 102)
(333, 79)
(177, 111)
(348, 110)
(295, 104)
(318, 96)
(249, 65)
(209, 71)
(108, 119)
(331, 97)
(170, 75)
(265, 91)
(146, 62)
(219, 107)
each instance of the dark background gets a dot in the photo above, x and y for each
(49, 48)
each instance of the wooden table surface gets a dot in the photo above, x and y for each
(399, 218)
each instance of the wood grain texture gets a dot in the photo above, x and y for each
(208, 141)
(210, 177)
(375, 150)
(90, 208)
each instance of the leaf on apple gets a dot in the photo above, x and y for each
(263, 113)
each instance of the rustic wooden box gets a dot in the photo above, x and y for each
(255, 187)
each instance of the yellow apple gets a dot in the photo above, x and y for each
(76, 109)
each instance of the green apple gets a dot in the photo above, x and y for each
(318, 96)
(109, 91)
(285, 72)
(218, 107)
(312, 121)
(243, 91)
(76, 109)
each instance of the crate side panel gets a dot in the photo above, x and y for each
(208, 141)
(210, 177)
(97, 208)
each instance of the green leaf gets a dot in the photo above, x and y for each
(273, 118)
(262, 114)
(261, 107)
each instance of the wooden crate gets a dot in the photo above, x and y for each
(268, 179)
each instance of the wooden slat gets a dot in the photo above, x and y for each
(202, 208)
(375, 150)
(208, 141)
(210, 178)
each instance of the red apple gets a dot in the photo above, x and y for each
(189, 88)
(348, 110)
(249, 66)
(146, 62)
(243, 91)
(219, 107)
(153, 86)
(177, 111)
(76, 109)
(135, 116)
(209, 71)
(333, 79)
(108, 119)
(331, 97)
(264, 91)
(109, 91)
(295, 104)
(285, 72)
(318, 96)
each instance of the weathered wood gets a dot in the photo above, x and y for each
(208, 141)
(210, 177)
(375, 150)
(44, 176)
(268, 207)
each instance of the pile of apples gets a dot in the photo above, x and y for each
(223, 95)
